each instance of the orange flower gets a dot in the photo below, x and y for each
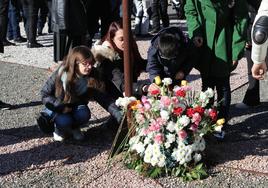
(134, 105)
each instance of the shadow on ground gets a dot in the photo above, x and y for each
(46, 153)
(248, 137)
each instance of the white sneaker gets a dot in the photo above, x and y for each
(57, 137)
(78, 135)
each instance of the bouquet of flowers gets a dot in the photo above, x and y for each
(168, 129)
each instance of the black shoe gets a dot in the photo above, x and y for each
(39, 33)
(4, 106)
(20, 39)
(8, 43)
(34, 45)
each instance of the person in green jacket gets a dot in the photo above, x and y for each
(219, 29)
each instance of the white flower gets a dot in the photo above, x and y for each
(188, 157)
(171, 138)
(154, 161)
(171, 126)
(203, 98)
(218, 128)
(133, 140)
(147, 140)
(164, 114)
(167, 145)
(124, 102)
(209, 92)
(147, 158)
(197, 157)
(139, 147)
(167, 81)
(161, 161)
(184, 120)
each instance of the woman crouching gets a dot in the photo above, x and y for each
(67, 92)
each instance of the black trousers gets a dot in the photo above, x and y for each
(159, 10)
(252, 96)
(63, 43)
(30, 10)
(222, 85)
(1, 46)
(4, 4)
(98, 9)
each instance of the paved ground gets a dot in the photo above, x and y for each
(31, 159)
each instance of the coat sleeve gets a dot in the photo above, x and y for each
(240, 29)
(107, 103)
(116, 76)
(48, 95)
(194, 26)
(153, 67)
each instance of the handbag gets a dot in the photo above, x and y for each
(45, 123)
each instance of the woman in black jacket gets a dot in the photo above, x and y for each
(67, 92)
(109, 54)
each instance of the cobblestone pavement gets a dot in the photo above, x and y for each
(31, 159)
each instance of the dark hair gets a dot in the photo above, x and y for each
(69, 66)
(135, 54)
(169, 45)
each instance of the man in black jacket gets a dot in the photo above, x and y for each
(171, 55)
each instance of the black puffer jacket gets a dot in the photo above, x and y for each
(112, 69)
(69, 16)
(56, 103)
(185, 61)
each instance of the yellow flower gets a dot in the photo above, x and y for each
(157, 80)
(184, 83)
(220, 121)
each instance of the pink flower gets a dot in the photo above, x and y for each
(194, 127)
(161, 121)
(146, 131)
(159, 138)
(196, 118)
(165, 101)
(147, 106)
(154, 126)
(144, 99)
(175, 101)
(182, 134)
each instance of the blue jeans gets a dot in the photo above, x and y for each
(68, 121)
(13, 22)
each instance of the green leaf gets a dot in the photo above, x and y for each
(155, 172)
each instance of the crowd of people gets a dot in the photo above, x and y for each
(218, 36)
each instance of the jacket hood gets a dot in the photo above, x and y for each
(102, 52)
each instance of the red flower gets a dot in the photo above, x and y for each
(180, 93)
(200, 110)
(213, 114)
(190, 112)
(155, 92)
(177, 111)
